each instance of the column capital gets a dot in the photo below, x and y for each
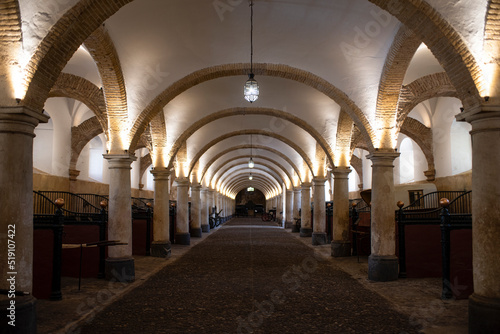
(123, 161)
(341, 172)
(484, 121)
(182, 182)
(160, 173)
(319, 181)
(20, 120)
(305, 185)
(196, 186)
(383, 158)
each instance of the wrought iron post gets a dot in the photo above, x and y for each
(149, 216)
(55, 293)
(401, 240)
(445, 248)
(102, 237)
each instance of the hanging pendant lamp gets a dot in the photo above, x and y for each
(251, 88)
(250, 162)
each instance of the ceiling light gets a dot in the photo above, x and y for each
(251, 88)
(250, 177)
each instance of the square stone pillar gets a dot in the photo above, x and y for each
(341, 244)
(195, 225)
(382, 263)
(182, 236)
(161, 246)
(305, 217)
(319, 228)
(120, 263)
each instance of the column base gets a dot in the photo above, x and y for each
(161, 249)
(295, 228)
(319, 238)
(205, 228)
(383, 268)
(341, 248)
(288, 224)
(182, 238)
(306, 232)
(195, 232)
(120, 269)
(484, 314)
(21, 318)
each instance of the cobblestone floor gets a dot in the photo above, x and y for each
(255, 279)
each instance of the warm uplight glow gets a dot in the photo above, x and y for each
(490, 73)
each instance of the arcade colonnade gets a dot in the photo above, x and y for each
(35, 72)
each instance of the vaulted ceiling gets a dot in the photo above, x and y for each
(175, 69)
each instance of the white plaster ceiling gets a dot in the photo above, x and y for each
(161, 42)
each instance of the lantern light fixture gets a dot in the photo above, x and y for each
(251, 88)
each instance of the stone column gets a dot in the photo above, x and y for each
(279, 208)
(195, 227)
(161, 246)
(120, 263)
(341, 243)
(297, 200)
(205, 227)
(289, 209)
(319, 233)
(383, 263)
(484, 303)
(305, 217)
(210, 201)
(182, 236)
(17, 127)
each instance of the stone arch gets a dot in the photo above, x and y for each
(242, 180)
(78, 88)
(80, 136)
(343, 142)
(275, 70)
(250, 132)
(253, 111)
(260, 147)
(444, 42)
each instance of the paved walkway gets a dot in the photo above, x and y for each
(251, 279)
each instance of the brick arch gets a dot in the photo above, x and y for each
(80, 136)
(59, 45)
(101, 48)
(250, 132)
(400, 54)
(242, 184)
(146, 161)
(357, 164)
(274, 70)
(78, 88)
(421, 135)
(259, 147)
(10, 45)
(226, 168)
(424, 88)
(444, 42)
(228, 180)
(253, 111)
(344, 137)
